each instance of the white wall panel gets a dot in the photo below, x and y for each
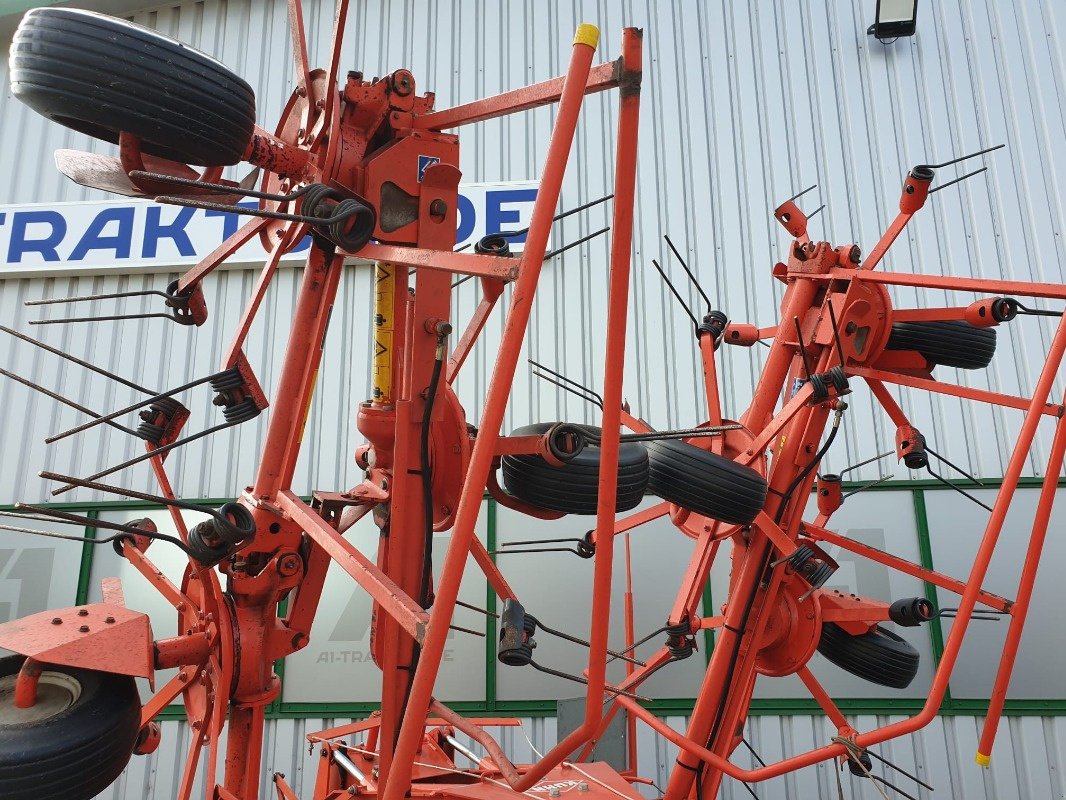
(1027, 763)
(742, 105)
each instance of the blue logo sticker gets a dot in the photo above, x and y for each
(424, 163)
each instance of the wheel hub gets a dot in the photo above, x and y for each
(56, 692)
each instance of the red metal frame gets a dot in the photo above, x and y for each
(356, 137)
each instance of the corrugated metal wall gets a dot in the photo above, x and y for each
(744, 104)
(1028, 763)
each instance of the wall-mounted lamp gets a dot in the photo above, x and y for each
(894, 18)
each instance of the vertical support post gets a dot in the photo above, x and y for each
(304, 350)
(1025, 593)
(495, 405)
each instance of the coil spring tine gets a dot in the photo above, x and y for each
(64, 400)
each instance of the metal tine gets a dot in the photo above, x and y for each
(471, 631)
(893, 787)
(815, 212)
(106, 318)
(579, 679)
(802, 349)
(64, 400)
(688, 272)
(536, 550)
(900, 770)
(867, 461)
(836, 332)
(462, 280)
(570, 389)
(120, 490)
(146, 402)
(675, 293)
(582, 642)
(171, 179)
(478, 609)
(75, 360)
(575, 243)
(639, 642)
(88, 522)
(557, 217)
(955, 467)
(565, 379)
(48, 301)
(77, 519)
(963, 158)
(189, 202)
(870, 485)
(157, 451)
(798, 196)
(949, 484)
(936, 189)
(537, 541)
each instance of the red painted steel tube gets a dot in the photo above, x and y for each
(230, 246)
(492, 418)
(29, 675)
(710, 385)
(378, 585)
(888, 402)
(821, 534)
(887, 238)
(617, 308)
(498, 267)
(819, 693)
(293, 386)
(602, 77)
(1025, 593)
(1056, 291)
(994, 398)
(503, 763)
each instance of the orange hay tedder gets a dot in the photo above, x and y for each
(370, 169)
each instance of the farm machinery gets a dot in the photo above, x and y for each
(368, 169)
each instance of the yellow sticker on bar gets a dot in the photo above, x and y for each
(982, 759)
(587, 34)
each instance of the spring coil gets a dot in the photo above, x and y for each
(152, 434)
(679, 641)
(241, 412)
(230, 379)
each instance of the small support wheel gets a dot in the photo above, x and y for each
(102, 76)
(878, 656)
(573, 488)
(74, 741)
(952, 343)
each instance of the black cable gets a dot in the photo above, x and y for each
(755, 589)
(427, 475)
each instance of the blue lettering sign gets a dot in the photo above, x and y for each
(175, 231)
(19, 244)
(496, 216)
(94, 238)
(467, 219)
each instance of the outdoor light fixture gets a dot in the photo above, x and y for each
(894, 18)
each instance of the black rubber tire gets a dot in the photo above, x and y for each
(76, 753)
(952, 343)
(705, 483)
(574, 487)
(879, 656)
(101, 75)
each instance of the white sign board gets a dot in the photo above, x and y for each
(128, 236)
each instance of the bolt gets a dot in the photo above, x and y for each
(582, 787)
(110, 620)
(82, 612)
(57, 621)
(850, 328)
(323, 752)
(854, 254)
(553, 792)
(84, 629)
(196, 724)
